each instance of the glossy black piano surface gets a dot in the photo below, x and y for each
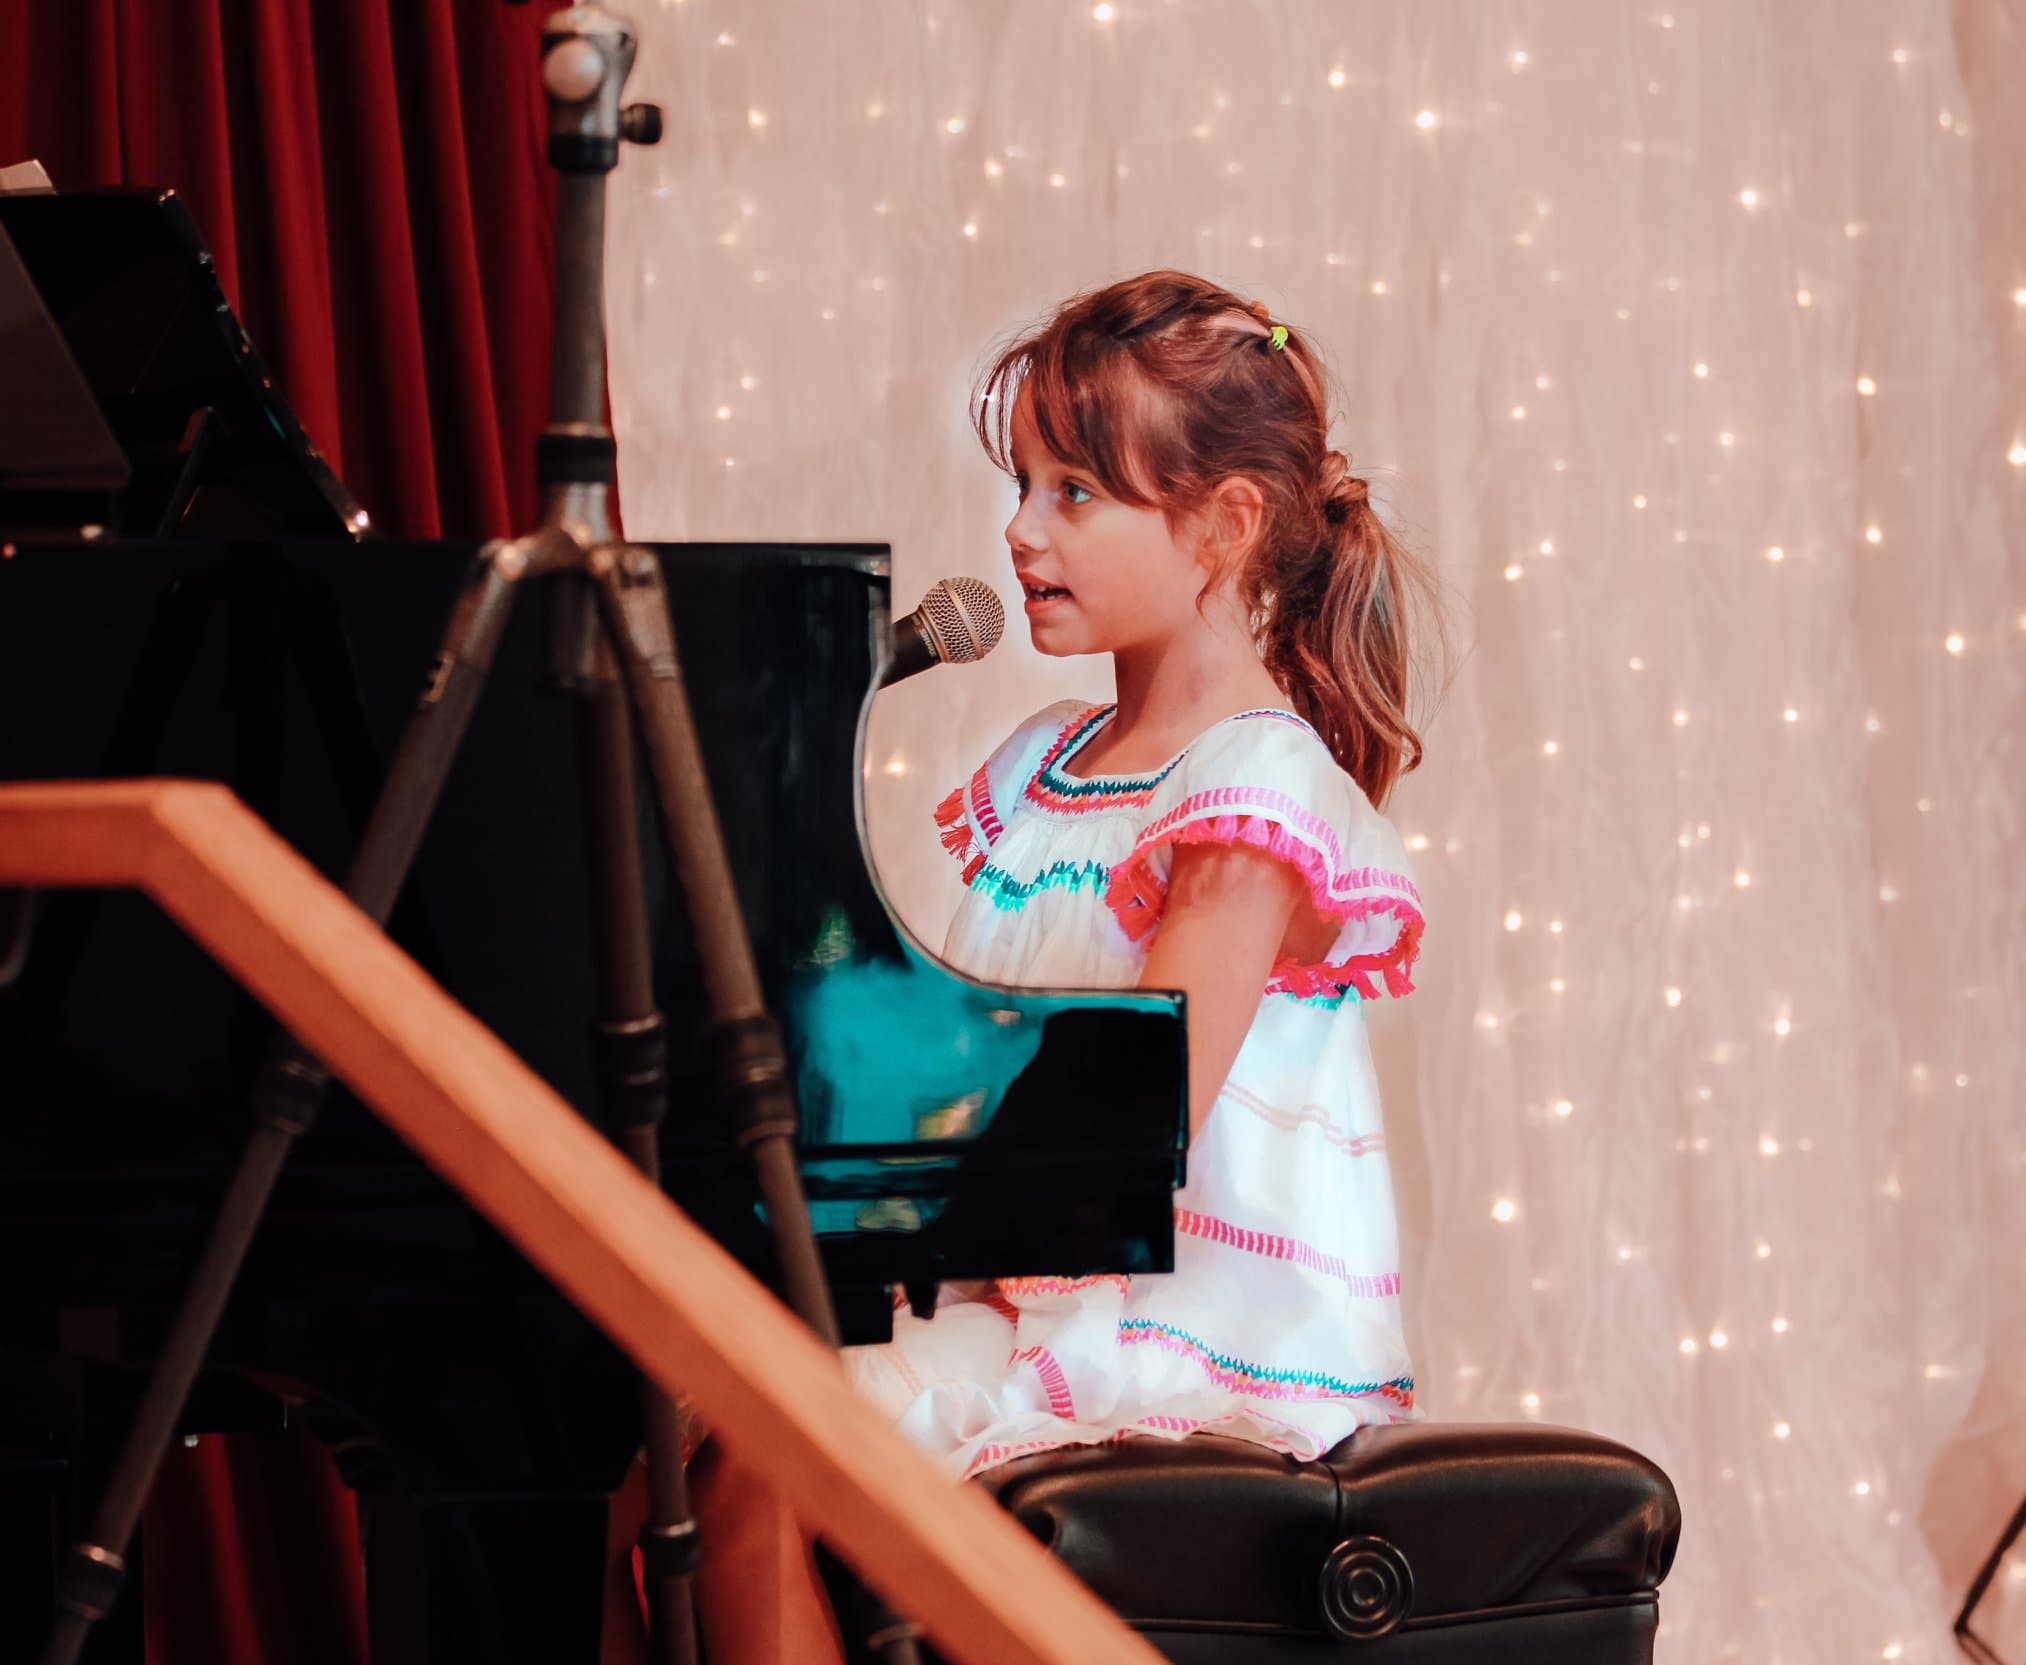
(951, 1129)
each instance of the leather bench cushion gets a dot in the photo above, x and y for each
(1218, 1531)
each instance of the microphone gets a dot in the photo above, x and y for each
(959, 620)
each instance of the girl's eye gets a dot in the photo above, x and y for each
(1068, 485)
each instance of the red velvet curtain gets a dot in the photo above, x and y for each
(371, 177)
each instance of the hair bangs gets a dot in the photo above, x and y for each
(1092, 406)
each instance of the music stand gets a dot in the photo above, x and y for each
(60, 466)
(119, 284)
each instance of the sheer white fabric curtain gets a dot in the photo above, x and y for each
(1688, 343)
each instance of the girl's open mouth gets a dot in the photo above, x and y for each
(1044, 592)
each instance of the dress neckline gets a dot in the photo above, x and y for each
(1091, 722)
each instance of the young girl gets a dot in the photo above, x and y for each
(1212, 831)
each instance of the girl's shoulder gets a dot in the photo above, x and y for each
(973, 817)
(1016, 758)
(1257, 754)
(1266, 780)
(1047, 725)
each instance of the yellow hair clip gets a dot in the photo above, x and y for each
(1279, 337)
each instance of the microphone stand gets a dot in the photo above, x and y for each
(612, 646)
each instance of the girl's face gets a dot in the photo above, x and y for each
(1098, 575)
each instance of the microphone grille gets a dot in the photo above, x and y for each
(964, 618)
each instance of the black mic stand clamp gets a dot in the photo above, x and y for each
(613, 647)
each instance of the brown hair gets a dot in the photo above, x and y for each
(1165, 385)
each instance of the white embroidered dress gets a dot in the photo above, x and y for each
(1281, 1321)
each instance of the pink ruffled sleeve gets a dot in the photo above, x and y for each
(1271, 784)
(969, 819)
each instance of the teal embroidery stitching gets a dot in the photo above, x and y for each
(1264, 1373)
(1068, 786)
(1327, 1001)
(1012, 894)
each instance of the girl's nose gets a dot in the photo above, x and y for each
(1024, 530)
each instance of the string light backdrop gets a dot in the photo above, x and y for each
(1688, 343)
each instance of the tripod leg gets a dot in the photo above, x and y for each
(286, 1099)
(753, 1069)
(752, 1066)
(633, 1087)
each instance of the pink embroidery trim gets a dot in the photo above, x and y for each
(981, 807)
(1062, 1286)
(1136, 893)
(1309, 1115)
(1038, 790)
(1366, 1286)
(992, 1455)
(1003, 1307)
(1053, 1382)
(957, 836)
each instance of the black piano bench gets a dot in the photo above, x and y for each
(1422, 1543)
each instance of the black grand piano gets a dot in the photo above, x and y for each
(950, 1127)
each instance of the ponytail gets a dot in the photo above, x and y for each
(1334, 608)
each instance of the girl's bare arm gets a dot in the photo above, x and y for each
(1227, 912)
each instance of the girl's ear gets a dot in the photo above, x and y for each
(1231, 520)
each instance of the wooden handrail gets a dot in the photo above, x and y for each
(688, 1314)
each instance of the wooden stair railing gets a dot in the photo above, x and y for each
(687, 1313)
